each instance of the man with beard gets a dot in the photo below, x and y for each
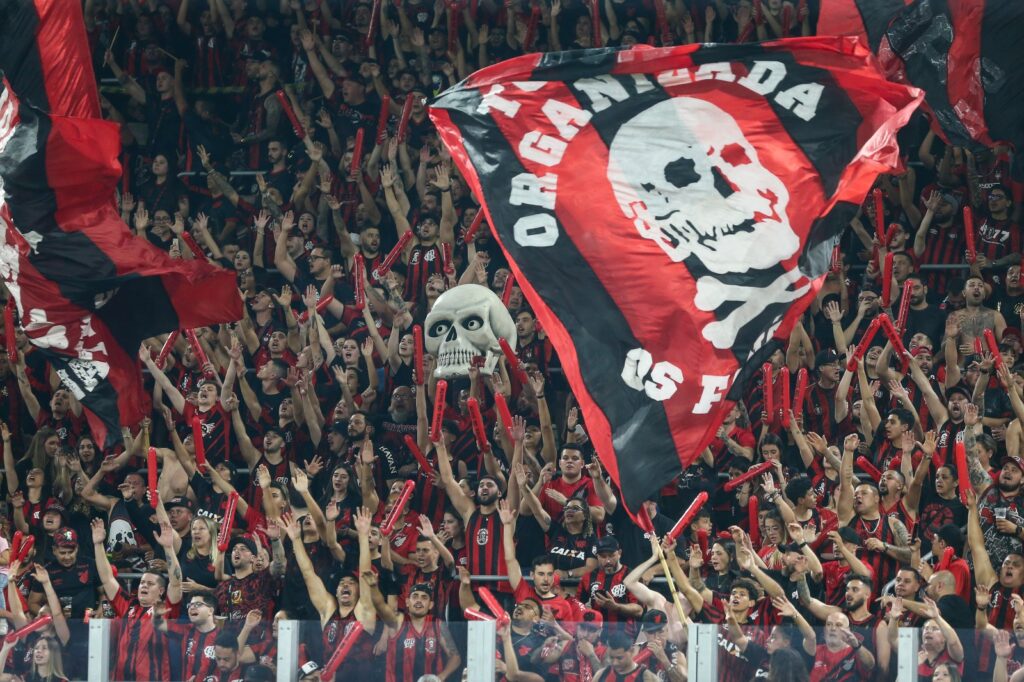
(426, 569)
(485, 528)
(842, 657)
(420, 644)
(351, 601)
(279, 177)
(885, 538)
(74, 578)
(998, 236)
(361, 429)
(922, 318)
(975, 318)
(603, 589)
(869, 627)
(247, 589)
(400, 422)
(262, 120)
(1000, 509)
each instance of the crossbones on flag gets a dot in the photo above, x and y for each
(669, 213)
(88, 291)
(964, 54)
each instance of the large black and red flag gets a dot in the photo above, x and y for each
(966, 55)
(865, 19)
(88, 291)
(670, 213)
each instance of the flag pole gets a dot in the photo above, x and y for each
(671, 585)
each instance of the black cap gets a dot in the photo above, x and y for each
(653, 621)
(959, 388)
(607, 544)
(249, 543)
(179, 501)
(826, 357)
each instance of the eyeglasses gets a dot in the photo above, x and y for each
(572, 510)
(316, 257)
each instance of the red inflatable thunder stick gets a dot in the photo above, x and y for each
(478, 425)
(393, 255)
(151, 470)
(165, 350)
(398, 509)
(224, 536)
(768, 390)
(513, 361)
(688, 516)
(38, 624)
(494, 605)
(355, 629)
(865, 342)
(417, 454)
(440, 393)
(197, 441)
(506, 415)
(417, 340)
(747, 475)
(869, 468)
(962, 474)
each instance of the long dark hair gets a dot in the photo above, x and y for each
(787, 666)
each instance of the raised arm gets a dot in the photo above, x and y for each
(318, 594)
(107, 579)
(508, 522)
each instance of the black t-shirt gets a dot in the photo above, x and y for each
(930, 321)
(75, 586)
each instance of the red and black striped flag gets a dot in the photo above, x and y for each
(966, 55)
(88, 291)
(865, 19)
(669, 213)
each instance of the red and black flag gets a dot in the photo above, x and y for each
(865, 19)
(966, 55)
(88, 291)
(670, 213)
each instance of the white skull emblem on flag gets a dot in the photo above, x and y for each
(701, 191)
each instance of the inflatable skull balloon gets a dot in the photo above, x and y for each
(465, 323)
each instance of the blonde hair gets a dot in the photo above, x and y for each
(212, 529)
(56, 663)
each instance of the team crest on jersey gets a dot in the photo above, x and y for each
(409, 643)
(618, 591)
(208, 652)
(429, 256)
(482, 536)
(430, 644)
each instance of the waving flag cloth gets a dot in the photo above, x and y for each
(865, 19)
(966, 56)
(88, 291)
(669, 213)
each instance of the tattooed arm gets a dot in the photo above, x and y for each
(979, 477)
(901, 550)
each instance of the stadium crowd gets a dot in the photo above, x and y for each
(305, 404)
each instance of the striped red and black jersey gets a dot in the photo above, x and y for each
(440, 582)
(424, 261)
(413, 653)
(197, 656)
(610, 583)
(484, 545)
(837, 666)
(208, 63)
(819, 413)
(946, 440)
(142, 652)
(997, 238)
(866, 629)
(943, 246)
(882, 565)
(429, 499)
(216, 425)
(280, 472)
(336, 629)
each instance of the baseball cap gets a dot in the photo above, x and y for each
(1013, 459)
(425, 588)
(179, 501)
(66, 537)
(826, 357)
(249, 543)
(653, 621)
(592, 618)
(959, 388)
(951, 199)
(607, 544)
(921, 349)
(54, 505)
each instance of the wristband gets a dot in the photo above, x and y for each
(801, 545)
(857, 648)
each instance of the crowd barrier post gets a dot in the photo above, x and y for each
(99, 648)
(481, 642)
(702, 652)
(907, 645)
(288, 650)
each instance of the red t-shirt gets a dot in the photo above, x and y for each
(565, 610)
(583, 489)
